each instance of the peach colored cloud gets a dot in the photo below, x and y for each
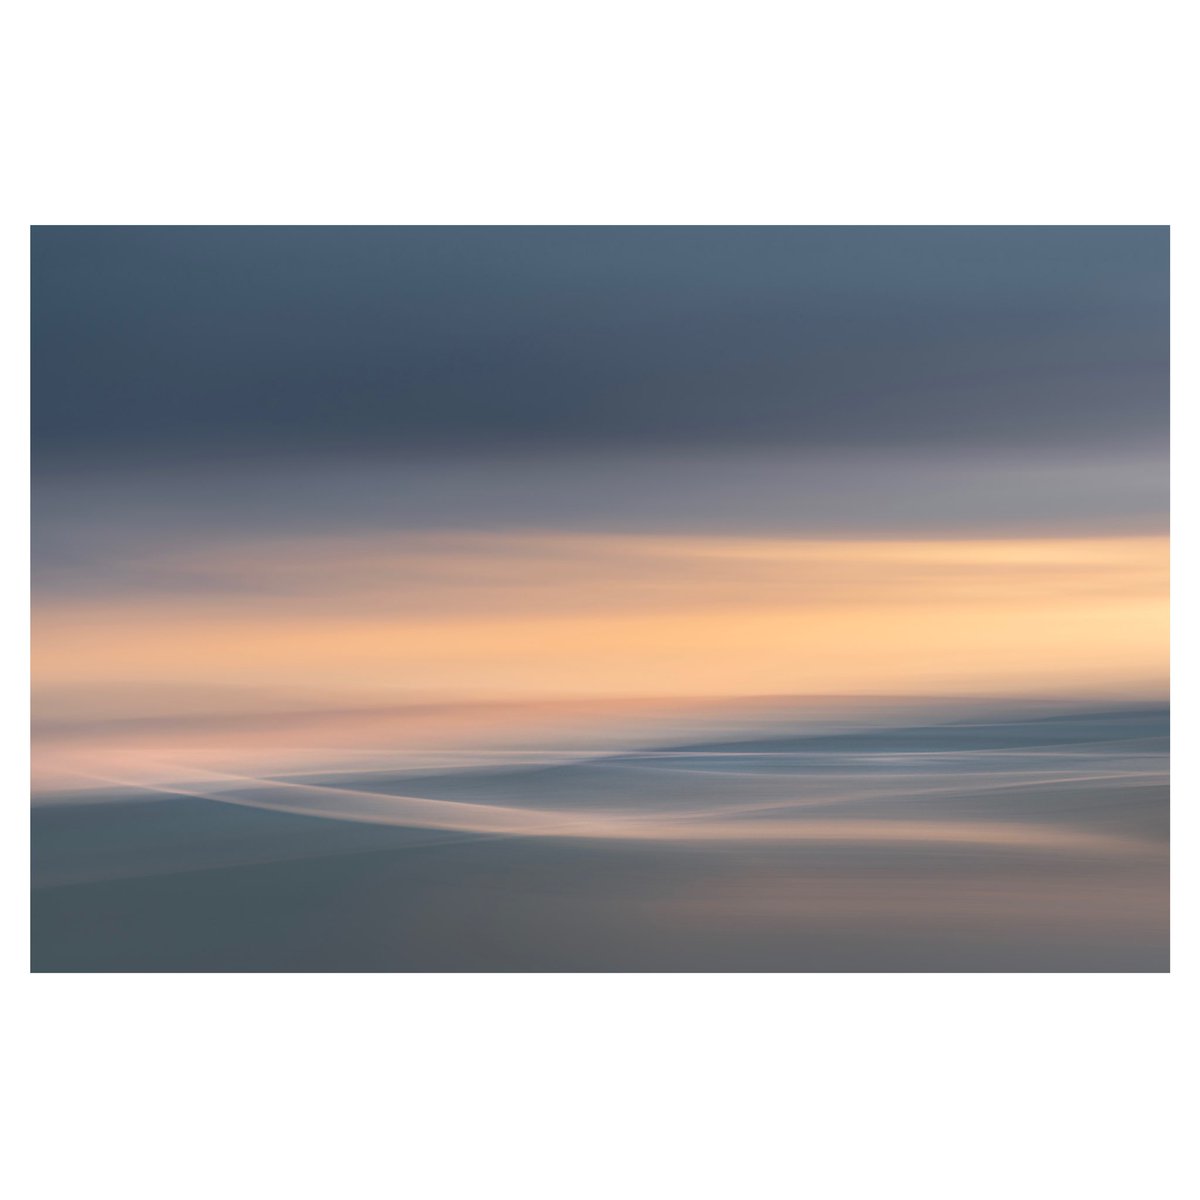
(528, 615)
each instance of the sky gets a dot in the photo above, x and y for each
(271, 342)
(356, 467)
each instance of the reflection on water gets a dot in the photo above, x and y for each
(1010, 842)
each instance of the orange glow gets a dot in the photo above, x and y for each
(536, 615)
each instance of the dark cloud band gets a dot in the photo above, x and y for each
(269, 341)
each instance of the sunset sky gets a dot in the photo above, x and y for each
(361, 467)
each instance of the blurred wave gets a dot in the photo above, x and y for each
(1074, 781)
(1041, 840)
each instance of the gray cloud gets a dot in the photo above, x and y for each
(105, 529)
(254, 343)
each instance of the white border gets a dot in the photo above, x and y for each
(835, 1086)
